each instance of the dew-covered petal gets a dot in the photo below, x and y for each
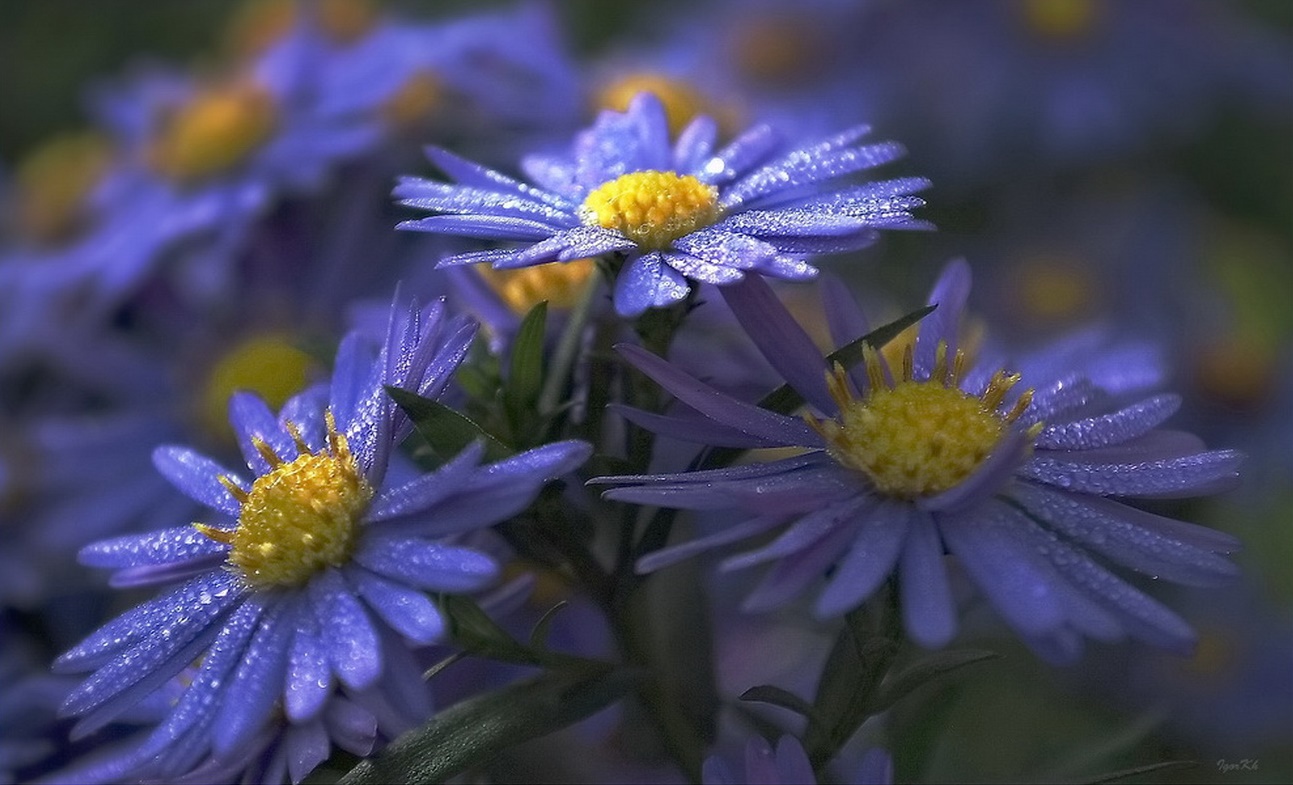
(475, 175)
(309, 681)
(168, 546)
(747, 418)
(746, 150)
(346, 631)
(698, 269)
(1124, 535)
(694, 428)
(408, 612)
(428, 565)
(353, 728)
(569, 244)
(878, 535)
(307, 746)
(252, 419)
(197, 477)
(258, 683)
(695, 144)
(772, 225)
(208, 595)
(427, 489)
(726, 249)
(992, 545)
(440, 197)
(648, 281)
(928, 612)
(1110, 429)
(780, 340)
(832, 157)
(1137, 468)
(488, 227)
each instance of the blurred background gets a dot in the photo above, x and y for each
(1123, 162)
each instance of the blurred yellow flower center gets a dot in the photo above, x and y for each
(260, 23)
(917, 438)
(559, 283)
(652, 208)
(215, 132)
(1061, 18)
(54, 182)
(682, 102)
(777, 49)
(1055, 289)
(416, 99)
(269, 365)
(300, 518)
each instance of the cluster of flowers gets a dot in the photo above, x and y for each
(237, 268)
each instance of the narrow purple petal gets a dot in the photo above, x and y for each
(762, 423)
(258, 683)
(725, 249)
(667, 557)
(792, 762)
(792, 576)
(346, 631)
(307, 746)
(646, 282)
(928, 612)
(803, 533)
(1190, 475)
(489, 227)
(950, 294)
(252, 419)
(1110, 429)
(877, 541)
(408, 612)
(694, 428)
(569, 244)
(475, 175)
(695, 144)
(781, 340)
(168, 546)
(428, 489)
(746, 150)
(197, 477)
(309, 680)
(428, 565)
(992, 544)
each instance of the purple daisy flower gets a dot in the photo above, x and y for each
(943, 452)
(674, 213)
(312, 576)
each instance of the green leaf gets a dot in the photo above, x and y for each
(923, 671)
(539, 635)
(775, 696)
(1138, 770)
(525, 373)
(785, 400)
(447, 431)
(476, 730)
(862, 655)
(471, 628)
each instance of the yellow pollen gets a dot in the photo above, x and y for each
(917, 438)
(415, 101)
(215, 132)
(559, 283)
(54, 182)
(300, 517)
(652, 208)
(1061, 19)
(269, 365)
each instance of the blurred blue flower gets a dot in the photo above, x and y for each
(277, 597)
(672, 212)
(938, 451)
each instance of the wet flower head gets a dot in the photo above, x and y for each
(214, 132)
(300, 517)
(652, 208)
(918, 438)
(54, 182)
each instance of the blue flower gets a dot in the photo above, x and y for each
(312, 572)
(673, 212)
(941, 451)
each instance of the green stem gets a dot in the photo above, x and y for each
(563, 358)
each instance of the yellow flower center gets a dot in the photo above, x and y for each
(682, 102)
(415, 101)
(917, 438)
(54, 181)
(1061, 19)
(652, 208)
(269, 365)
(559, 283)
(215, 132)
(260, 23)
(300, 518)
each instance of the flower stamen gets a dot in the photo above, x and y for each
(652, 208)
